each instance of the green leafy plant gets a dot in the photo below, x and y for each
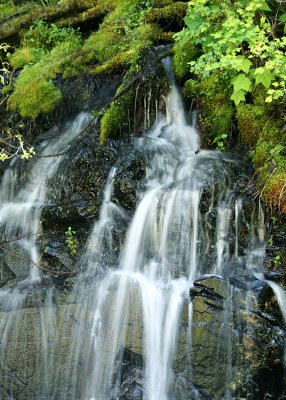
(219, 141)
(71, 241)
(238, 38)
(42, 35)
(277, 261)
(274, 219)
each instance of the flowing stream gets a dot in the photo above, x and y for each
(188, 222)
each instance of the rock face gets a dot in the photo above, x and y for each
(237, 346)
(76, 194)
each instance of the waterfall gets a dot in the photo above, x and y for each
(133, 316)
(169, 243)
(20, 213)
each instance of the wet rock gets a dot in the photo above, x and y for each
(232, 329)
(6, 274)
(20, 368)
(16, 262)
(131, 171)
(131, 387)
(132, 377)
(76, 192)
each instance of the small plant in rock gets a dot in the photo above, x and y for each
(71, 241)
(277, 261)
(219, 141)
(274, 219)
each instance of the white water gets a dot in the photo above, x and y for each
(168, 244)
(20, 210)
(20, 213)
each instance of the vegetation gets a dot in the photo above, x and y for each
(238, 38)
(242, 46)
(71, 241)
(46, 52)
(212, 93)
(229, 58)
(11, 139)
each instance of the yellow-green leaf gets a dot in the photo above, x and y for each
(238, 96)
(243, 64)
(264, 6)
(241, 82)
(263, 76)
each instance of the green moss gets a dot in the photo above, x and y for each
(261, 152)
(93, 13)
(34, 92)
(212, 95)
(190, 89)
(175, 11)
(162, 3)
(102, 44)
(36, 12)
(269, 157)
(117, 50)
(127, 114)
(183, 54)
(116, 119)
(119, 63)
(47, 50)
(6, 9)
(251, 122)
(35, 97)
(25, 56)
(145, 35)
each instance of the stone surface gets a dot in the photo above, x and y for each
(237, 347)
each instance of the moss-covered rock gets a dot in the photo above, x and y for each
(212, 96)
(134, 106)
(183, 55)
(252, 120)
(117, 118)
(168, 13)
(39, 96)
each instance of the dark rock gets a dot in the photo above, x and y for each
(76, 191)
(132, 379)
(233, 323)
(131, 171)
(6, 274)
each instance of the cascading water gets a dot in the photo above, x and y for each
(20, 213)
(131, 319)
(138, 305)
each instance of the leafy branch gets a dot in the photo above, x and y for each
(239, 39)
